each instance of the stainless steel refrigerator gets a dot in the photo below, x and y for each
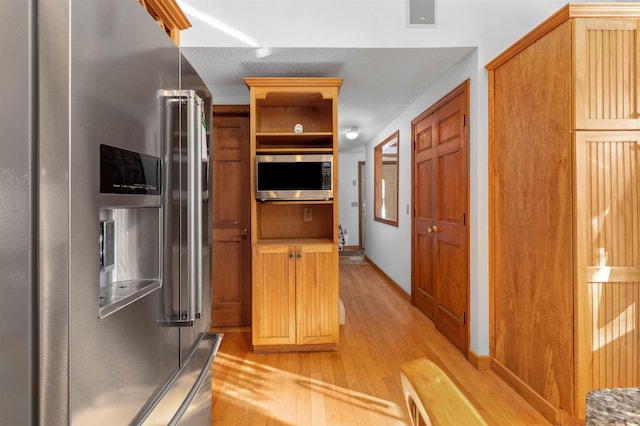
(104, 219)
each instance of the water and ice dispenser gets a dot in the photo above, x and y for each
(130, 238)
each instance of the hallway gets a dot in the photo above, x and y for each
(360, 383)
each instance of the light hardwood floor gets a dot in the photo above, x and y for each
(360, 383)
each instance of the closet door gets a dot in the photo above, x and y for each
(423, 239)
(440, 285)
(450, 228)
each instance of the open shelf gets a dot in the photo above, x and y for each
(283, 219)
(317, 141)
(281, 117)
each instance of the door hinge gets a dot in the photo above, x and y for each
(464, 120)
(464, 317)
(464, 219)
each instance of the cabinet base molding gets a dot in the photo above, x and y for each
(265, 349)
(480, 362)
(555, 415)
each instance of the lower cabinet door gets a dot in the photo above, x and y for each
(274, 295)
(317, 294)
(295, 294)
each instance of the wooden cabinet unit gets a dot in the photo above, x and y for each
(295, 242)
(565, 208)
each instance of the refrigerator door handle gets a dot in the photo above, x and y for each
(194, 200)
(184, 294)
(204, 374)
(175, 399)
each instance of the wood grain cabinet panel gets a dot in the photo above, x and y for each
(564, 210)
(316, 294)
(606, 73)
(274, 295)
(608, 286)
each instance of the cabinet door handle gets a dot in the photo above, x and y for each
(432, 229)
(244, 232)
(299, 256)
(290, 255)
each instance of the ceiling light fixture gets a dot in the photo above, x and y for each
(352, 133)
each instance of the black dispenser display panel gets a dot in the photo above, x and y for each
(128, 172)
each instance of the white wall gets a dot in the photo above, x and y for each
(348, 194)
(390, 247)
(489, 25)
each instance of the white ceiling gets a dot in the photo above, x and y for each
(378, 83)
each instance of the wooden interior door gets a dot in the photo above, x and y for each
(423, 241)
(362, 212)
(440, 284)
(231, 257)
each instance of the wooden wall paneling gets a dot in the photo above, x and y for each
(532, 218)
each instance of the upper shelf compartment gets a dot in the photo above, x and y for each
(286, 108)
(294, 113)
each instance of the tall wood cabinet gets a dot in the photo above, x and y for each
(564, 161)
(295, 242)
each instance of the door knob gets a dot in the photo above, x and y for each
(244, 232)
(432, 229)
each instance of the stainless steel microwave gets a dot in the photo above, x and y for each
(294, 177)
